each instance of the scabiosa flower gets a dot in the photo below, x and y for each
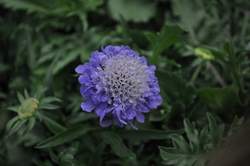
(118, 85)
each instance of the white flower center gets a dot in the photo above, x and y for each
(125, 78)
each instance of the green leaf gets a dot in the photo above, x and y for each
(190, 15)
(204, 53)
(169, 35)
(55, 7)
(176, 88)
(117, 145)
(216, 130)
(66, 60)
(146, 134)
(91, 4)
(18, 125)
(191, 151)
(218, 98)
(12, 123)
(192, 135)
(49, 107)
(52, 125)
(64, 137)
(28, 5)
(48, 100)
(130, 10)
(172, 157)
(233, 65)
(180, 143)
(31, 124)
(20, 97)
(138, 36)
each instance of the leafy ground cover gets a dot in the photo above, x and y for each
(200, 48)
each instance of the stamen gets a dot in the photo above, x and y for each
(125, 78)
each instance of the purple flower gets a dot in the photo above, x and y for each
(118, 85)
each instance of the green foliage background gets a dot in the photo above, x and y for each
(201, 49)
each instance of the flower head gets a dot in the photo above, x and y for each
(118, 85)
(28, 107)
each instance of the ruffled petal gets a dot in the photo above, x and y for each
(97, 58)
(105, 122)
(101, 110)
(118, 113)
(88, 106)
(80, 69)
(142, 108)
(140, 117)
(84, 79)
(131, 113)
(100, 85)
(154, 102)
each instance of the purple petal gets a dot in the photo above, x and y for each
(112, 50)
(118, 113)
(131, 114)
(154, 102)
(84, 79)
(142, 108)
(88, 106)
(97, 84)
(101, 109)
(140, 117)
(97, 58)
(80, 69)
(105, 122)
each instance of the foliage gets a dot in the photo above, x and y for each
(130, 12)
(201, 51)
(191, 149)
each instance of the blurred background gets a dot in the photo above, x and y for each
(202, 52)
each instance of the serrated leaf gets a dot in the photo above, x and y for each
(191, 151)
(193, 136)
(216, 130)
(174, 158)
(180, 143)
